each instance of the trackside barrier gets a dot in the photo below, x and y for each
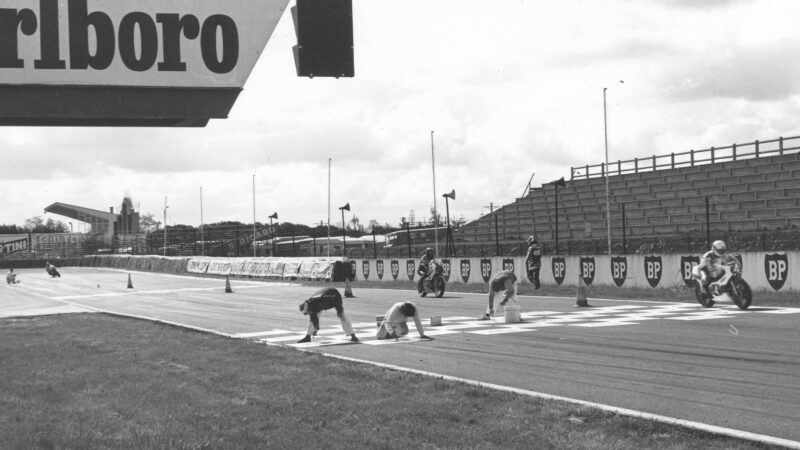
(333, 269)
(773, 271)
(148, 263)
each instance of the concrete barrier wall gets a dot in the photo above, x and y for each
(778, 271)
(272, 267)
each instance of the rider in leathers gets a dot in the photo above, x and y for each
(711, 264)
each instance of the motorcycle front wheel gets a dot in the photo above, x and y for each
(745, 295)
(702, 298)
(438, 287)
(421, 288)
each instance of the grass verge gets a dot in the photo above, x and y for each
(98, 381)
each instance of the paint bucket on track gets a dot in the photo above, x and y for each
(511, 313)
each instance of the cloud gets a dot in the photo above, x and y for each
(755, 74)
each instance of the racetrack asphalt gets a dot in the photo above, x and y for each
(721, 366)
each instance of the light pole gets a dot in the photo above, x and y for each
(608, 193)
(556, 184)
(344, 236)
(202, 237)
(435, 229)
(165, 225)
(329, 207)
(254, 215)
(449, 238)
(272, 232)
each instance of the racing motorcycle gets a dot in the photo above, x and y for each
(730, 287)
(434, 283)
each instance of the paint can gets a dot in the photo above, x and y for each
(511, 313)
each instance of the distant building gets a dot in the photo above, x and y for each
(103, 223)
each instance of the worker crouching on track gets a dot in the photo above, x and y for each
(328, 298)
(395, 324)
(504, 280)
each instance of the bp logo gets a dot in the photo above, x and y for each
(687, 265)
(776, 267)
(652, 269)
(446, 267)
(508, 264)
(465, 269)
(486, 269)
(410, 266)
(365, 268)
(559, 269)
(619, 269)
(587, 269)
(395, 266)
(352, 269)
(379, 268)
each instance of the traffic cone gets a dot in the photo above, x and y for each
(581, 301)
(348, 292)
(130, 283)
(228, 289)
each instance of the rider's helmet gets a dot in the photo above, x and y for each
(718, 247)
(531, 240)
(429, 252)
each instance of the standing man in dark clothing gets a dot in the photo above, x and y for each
(328, 298)
(533, 261)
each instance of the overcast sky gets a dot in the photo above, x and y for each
(509, 87)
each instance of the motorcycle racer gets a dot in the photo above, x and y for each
(424, 268)
(712, 262)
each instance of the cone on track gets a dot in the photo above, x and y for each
(130, 283)
(228, 289)
(348, 292)
(581, 301)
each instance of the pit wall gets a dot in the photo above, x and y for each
(779, 271)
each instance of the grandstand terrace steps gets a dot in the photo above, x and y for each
(781, 202)
(761, 213)
(685, 228)
(766, 190)
(788, 183)
(790, 165)
(771, 224)
(681, 218)
(793, 212)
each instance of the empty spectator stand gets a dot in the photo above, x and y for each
(742, 187)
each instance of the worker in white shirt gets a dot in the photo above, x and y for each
(395, 324)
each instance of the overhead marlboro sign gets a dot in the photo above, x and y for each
(86, 61)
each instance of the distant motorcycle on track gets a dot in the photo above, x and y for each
(434, 283)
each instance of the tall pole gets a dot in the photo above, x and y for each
(329, 207)
(556, 186)
(254, 215)
(447, 239)
(165, 225)
(608, 196)
(435, 230)
(344, 236)
(202, 236)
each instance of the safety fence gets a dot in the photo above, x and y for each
(691, 158)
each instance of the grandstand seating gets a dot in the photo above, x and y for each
(761, 193)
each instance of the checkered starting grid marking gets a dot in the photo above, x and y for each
(595, 317)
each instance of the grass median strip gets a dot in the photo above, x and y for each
(100, 381)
